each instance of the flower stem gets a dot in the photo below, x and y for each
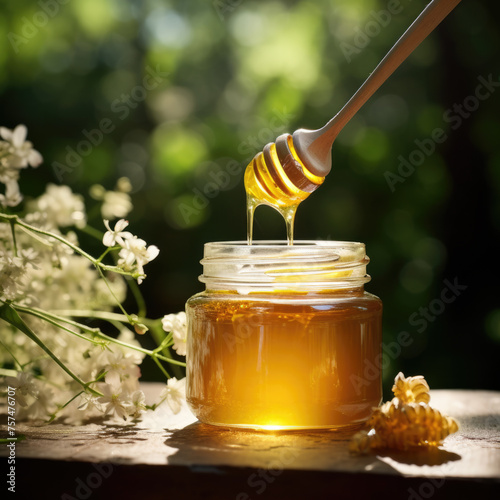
(16, 362)
(114, 296)
(14, 219)
(47, 317)
(107, 316)
(13, 230)
(140, 349)
(97, 333)
(106, 253)
(160, 366)
(141, 304)
(53, 416)
(162, 340)
(10, 315)
(5, 372)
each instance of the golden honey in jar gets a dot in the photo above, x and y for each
(282, 337)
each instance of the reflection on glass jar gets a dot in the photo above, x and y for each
(284, 337)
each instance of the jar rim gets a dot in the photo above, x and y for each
(284, 243)
(273, 264)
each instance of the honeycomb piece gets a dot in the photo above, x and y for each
(405, 422)
(363, 441)
(411, 389)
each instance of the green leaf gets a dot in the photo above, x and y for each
(16, 439)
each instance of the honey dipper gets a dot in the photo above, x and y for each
(289, 170)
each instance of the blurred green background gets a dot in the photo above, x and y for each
(195, 89)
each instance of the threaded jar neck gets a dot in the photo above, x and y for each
(273, 265)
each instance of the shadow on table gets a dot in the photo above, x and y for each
(293, 465)
(420, 456)
(309, 450)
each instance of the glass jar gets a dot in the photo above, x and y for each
(284, 337)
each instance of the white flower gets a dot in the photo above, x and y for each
(24, 386)
(39, 271)
(119, 369)
(29, 257)
(174, 394)
(61, 206)
(116, 235)
(7, 173)
(138, 403)
(177, 325)
(116, 204)
(12, 272)
(89, 402)
(136, 252)
(114, 401)
(21, 150)
(127, 336)
(15, 153)
(12, 196)
(42, 405)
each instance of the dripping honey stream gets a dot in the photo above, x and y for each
(276, 177)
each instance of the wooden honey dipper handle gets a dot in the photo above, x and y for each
(314, 146)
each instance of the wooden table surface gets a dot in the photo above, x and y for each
(177, 457)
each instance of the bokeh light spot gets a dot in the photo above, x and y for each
(416, 276)
(176, 150)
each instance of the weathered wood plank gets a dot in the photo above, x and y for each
(252, 462)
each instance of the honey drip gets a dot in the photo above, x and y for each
(276, 177)
(405, 422)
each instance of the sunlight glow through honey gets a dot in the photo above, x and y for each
(272, 365)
